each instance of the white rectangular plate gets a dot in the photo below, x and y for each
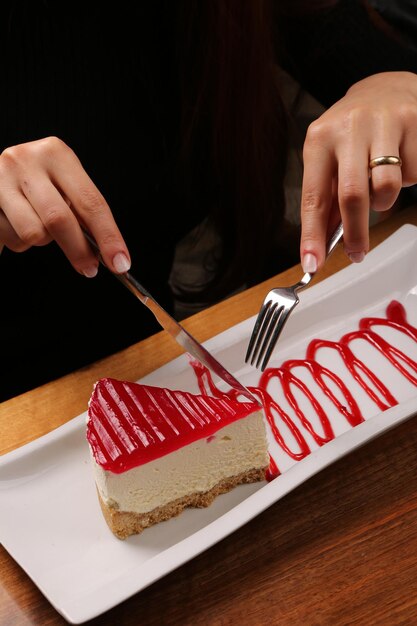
(50, 521)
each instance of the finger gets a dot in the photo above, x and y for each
(20, 226)
(408, 154)
(91, 210)
(316, 203)
(60, 223)
(8, 236)
(385, 180)
(353, 197)
(334, 217)
(23, 220)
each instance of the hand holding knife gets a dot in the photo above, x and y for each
(174, 328)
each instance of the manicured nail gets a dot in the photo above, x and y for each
(309, 263)
(356, 257)
(91, 271)
(121, 263)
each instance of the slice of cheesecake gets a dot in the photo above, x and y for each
(156, 451)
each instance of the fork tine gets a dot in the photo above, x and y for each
(255, 330)
(280, 323)
(260, 328)
(269, 331)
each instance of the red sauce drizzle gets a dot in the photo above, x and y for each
(348, 408)
(272, 471)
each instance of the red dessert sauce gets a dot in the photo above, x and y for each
(343, 403)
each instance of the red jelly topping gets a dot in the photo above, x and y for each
(131, 424)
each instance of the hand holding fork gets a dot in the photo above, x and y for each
(275, 311)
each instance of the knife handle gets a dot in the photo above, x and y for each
(126, 278)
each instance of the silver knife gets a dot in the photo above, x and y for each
(174, 328)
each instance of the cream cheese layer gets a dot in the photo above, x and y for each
(197, 467)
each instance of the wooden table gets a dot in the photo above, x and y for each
(340, 549)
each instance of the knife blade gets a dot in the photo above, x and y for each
(174, 328)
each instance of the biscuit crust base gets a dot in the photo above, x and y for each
(125, 523)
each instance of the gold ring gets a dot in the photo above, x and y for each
(385, 160)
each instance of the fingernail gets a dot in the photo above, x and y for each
(356, 257)
(309, 263)
(121, 263)
(91, 271)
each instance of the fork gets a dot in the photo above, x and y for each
(275, 311)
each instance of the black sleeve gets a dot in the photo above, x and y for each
(329, 50)
(76, 70)
(402, 15)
